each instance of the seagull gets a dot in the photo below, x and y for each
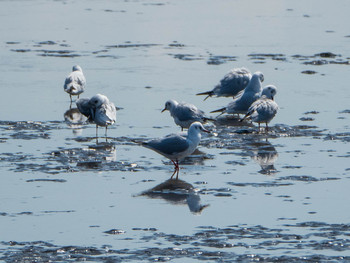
(232, 83)
(75, 82)
(176, 147)
(250, 94)
(184, 114)
(263, 109)
(99, 110)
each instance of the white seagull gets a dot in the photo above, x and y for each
(231, 84)
(250, 94)
(184, 114)
(264, 109)
(176, 147)
(99, 110)
(75, 82)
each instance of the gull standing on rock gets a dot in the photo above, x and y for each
(264, 109)
(176, 147)
(184, 114)
(75, 82)
(250, 94)
(232, 83)
(99, 110)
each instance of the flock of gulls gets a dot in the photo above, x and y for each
(249, 98)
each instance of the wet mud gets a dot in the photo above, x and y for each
(207, 244)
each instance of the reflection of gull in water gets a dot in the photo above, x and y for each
(265, 155)
(250, 94)
(74, 119)
(264, 109)
(98, 109)
(108, 151)
(176, 147)
(232, 83)
(177, 191)
(184, 114)
(74, 83)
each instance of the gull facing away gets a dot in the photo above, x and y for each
(184, 114)
(75, 82)
(250, 94)
(232, 83)
(264, 109)
(176, 147)
(99, 110)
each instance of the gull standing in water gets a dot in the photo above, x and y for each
(99, 110)
(264, 109)
(231, 84)
(184, 114)
(75, 82)
(176, 147)
(250, 94)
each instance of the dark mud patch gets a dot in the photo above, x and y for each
(99, 157)
(187, 57)
(217, 60)
(132, 45)
(28, 130)
(319, 242)
(343, 137)
(323, 58)
(260, 58)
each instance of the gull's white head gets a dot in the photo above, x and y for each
(259, 75)
(169, 105)
(269, 91)
(98, 100)
(77, 68)
(197, 127)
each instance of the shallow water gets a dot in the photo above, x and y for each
(243, 196)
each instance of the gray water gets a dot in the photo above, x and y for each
(243, 196)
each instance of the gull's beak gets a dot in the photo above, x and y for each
(205, 130)
(164, 110)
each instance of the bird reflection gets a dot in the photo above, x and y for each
(75, 119)
(107, 151)
(177, 192)
(265, 155)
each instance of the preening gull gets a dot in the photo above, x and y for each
(232, 83)
(176, 147)
(264, 109)
(250, 94)
(99, 110)
(75, 82)
(184, 114)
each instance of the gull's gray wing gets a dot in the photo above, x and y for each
(76, 80)
(169, 145)
(85, 108)
(105, 114)
(233, 82)
(186, 112)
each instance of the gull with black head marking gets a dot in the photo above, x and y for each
(185, 114)
(75, 82)
(99, 110)
(176, 147)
